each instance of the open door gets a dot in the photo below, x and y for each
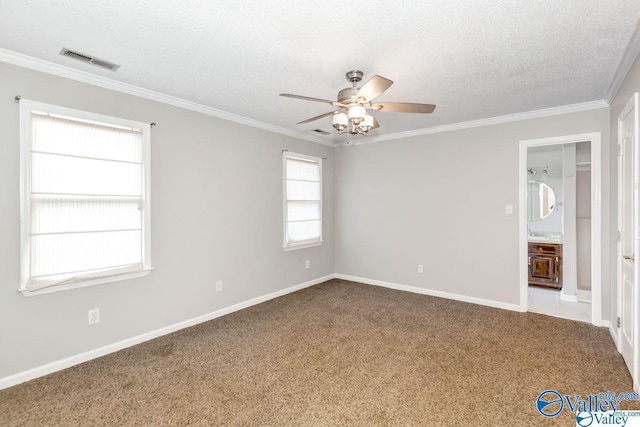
(628, 236)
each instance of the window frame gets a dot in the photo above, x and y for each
(288, 245)
(26, 109)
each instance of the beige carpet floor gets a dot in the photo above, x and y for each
(336, 354)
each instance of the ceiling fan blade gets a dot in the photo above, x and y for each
(375, 124)
(374, 87)
(315, 118)
(307, 98)
(403, 107)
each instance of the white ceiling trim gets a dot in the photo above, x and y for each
(629, 56)
(84, 77)
(546, 112)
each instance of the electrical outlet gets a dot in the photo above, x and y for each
(307, 264)
(420, 269)
(219, 286)
(94, 316)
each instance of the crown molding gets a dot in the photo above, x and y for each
(107, 83)
(629, 56)
(546, 112)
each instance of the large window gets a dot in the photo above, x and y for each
(302, 200)
(85, 198)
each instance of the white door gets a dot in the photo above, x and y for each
(628, 229)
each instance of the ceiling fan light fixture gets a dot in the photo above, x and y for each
(340, 121)
(352, 104)
(366, 124)
(356, 114)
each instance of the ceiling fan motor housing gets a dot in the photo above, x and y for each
(354, 76)
(349, 95)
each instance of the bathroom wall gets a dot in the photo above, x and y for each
(569, 240)
(551, 156)
(583, 216)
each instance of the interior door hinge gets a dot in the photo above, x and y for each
(618, 321)
(618, 235)
(619, 149)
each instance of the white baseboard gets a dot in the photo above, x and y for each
(59, 365)
(434, 293)
(604, 324)
(111, 348)
(583, 296)
(569, 298)
(614, 334)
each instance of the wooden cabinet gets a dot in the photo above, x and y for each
(545, 265)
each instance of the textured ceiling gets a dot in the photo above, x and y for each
(473, 59)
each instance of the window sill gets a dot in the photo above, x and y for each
(86, 283)
(303, 246)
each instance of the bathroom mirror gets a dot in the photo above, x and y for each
(541, 201)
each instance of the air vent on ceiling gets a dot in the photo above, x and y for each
(320, 131)
(89, 59)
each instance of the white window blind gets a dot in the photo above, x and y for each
(303, 200)
(85, 213)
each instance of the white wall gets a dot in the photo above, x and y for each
(583, 229)
(569, 247)
(439, 200)
(630, 85)
(216, 197)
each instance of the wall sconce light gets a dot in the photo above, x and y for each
(544, 172)
(544, 176)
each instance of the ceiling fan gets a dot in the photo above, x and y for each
(353, 103)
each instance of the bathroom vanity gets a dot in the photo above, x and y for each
(545, 263)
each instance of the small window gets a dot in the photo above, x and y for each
(302, 201)
(85, 198)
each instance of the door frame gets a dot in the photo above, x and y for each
(596, 217)
(633, 103)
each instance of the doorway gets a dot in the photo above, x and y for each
(596, 218)
(559, 230)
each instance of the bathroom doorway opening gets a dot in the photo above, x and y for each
(568, 298)
(559, 230)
